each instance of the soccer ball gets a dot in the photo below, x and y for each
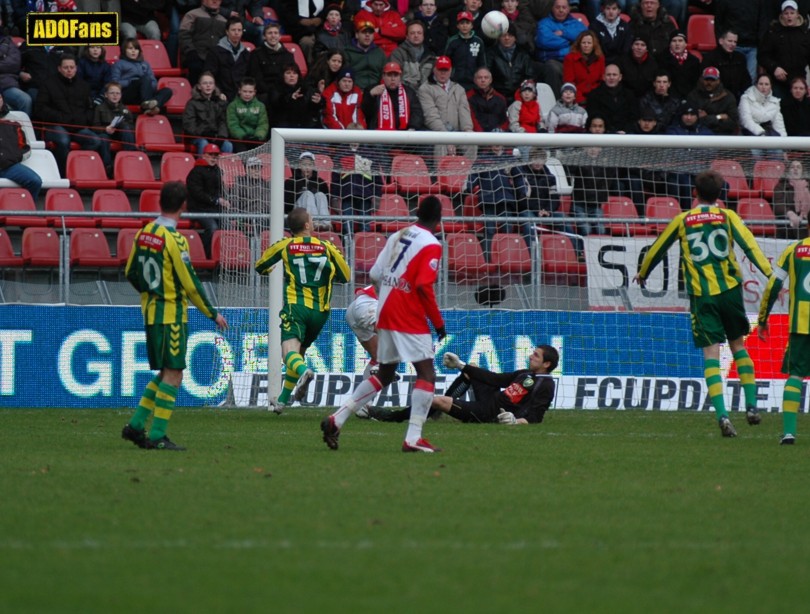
(494, 24)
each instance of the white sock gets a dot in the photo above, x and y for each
(420, 405)
(366, 391)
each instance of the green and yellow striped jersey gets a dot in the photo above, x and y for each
(707, 234)
(794, 265)
(159, 267)
(311, 265)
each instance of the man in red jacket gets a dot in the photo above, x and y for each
(390, 29)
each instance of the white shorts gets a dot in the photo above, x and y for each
(396, 347)
(361, 316)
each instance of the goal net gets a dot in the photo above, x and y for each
(542, 236)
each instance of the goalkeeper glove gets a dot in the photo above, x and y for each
(506, 417)
(441, 332)
(452, 361)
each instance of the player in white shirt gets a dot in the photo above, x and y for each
(405, 273)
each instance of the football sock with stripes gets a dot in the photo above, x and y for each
(745, 369)
(164, 406)
(146, 405)
(714, 381)
(421, 398)
(366, 391)
(790, 404)
(296, 365)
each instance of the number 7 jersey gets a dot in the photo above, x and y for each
(707, 235)
(405, 272)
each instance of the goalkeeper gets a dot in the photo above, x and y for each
(518, 397)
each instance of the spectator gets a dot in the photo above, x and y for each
(302, 21)
(14, 148)
(594, 178)
(305, 189)
(137, 81)
(358, 185)
(614, 102)
(326, 70)
(687, 123)
(647, 123)
(229, 60)
(760, 114)
(638, 67)
(446, 108)
(679, 184)
(473, 7)
(796, 109)
(749, 20)
(199, 32)
(785, 51)
(529, 13)
(248, 124)
(683, 67)
(364, 57)
(613, 32)
(10, 75)
(94, 68)
(204, 184)
(392, 105)
(487, 106)
(252, 192)
(717, 107)
(659, 100)
(541, 199)
(466, 51)
(677, 8)
(791, 202)
(267, 62)
(499, 185)
(509, 64)
(584, 65)
(524, 114)
(567, 115)
(436, 27)
(730, 62)
(112, 118)
(39, 64)
(138, 16)
(413, 56)
(331, 36)
(342, 103)
(205, 116)
(64, 104)
(555, 33)
(651, 21)
(389, 29)
(294, 105)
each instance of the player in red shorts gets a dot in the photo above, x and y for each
(405, 272)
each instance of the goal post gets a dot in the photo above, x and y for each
(582, 301)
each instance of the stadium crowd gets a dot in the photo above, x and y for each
(613, 66)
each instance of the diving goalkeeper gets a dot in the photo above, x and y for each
(518, 397)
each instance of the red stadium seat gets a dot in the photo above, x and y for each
(7, 256)
(133, 171)
(86, 171)
(623, 207)
(154, 133)
(367, 246)
(582, 18)
(89, 248)
(700, 33)
(112, 53)
(757, 209)
(447, 212)
(175, 166)
(155, 54)
(149, 203)
(410, 175)
(661, 207)
(510, 257)
(181, 93)
(465, 259)
(391, 205)
(18, 199)
(767, 174)
(231, 167)
(734, 175)
(334, 238)
(452, 173)
(558, 261)
(113, 201)
(267, 160)
(324, 166)
(123, 244)
(65, 200)
(40, 247)
(298, 56)
(196, 250)
(231, 248)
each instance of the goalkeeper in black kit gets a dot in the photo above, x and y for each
(517, 397)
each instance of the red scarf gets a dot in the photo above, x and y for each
(385, 112)
(529, 116)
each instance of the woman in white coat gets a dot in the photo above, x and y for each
(760, 113)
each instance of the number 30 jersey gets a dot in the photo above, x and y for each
(707, 234)
(159, 267)
(405, 272)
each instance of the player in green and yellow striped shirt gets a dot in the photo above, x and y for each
(707, 234)
(160, 269)
(793, 265)
(311, 266)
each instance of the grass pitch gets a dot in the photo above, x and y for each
(589, 512)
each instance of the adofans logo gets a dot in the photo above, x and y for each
(69, 29)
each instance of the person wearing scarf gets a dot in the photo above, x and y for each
(680, 64)
(392, 105)
(791, 202)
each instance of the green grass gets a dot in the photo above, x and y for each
(589, 512)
